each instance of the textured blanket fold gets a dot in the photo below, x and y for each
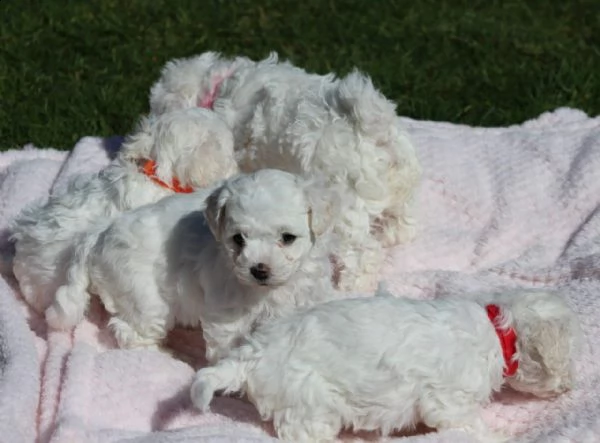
(499, 208)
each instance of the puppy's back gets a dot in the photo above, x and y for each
(373, 359)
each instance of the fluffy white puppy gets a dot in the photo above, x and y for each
(168, 153)
(343, 129)
(386, 363)
(253, 249)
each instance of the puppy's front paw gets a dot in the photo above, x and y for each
(494, 437)
(485, 435)
(201, 393)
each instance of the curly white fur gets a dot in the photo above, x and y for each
(386, 363)
(229, 258)
(182, 144)
(285, 118)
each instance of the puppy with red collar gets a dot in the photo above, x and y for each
(386, 363)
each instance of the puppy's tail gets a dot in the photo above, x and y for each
(358, 98)
(229, 375)
(72, 298)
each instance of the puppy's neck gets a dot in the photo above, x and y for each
(127, 188)
(508, 340)
(148, 168)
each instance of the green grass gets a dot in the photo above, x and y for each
(70, 68)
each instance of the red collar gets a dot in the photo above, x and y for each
(508, 341)
(148, 167)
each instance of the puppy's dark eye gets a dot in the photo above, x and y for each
(287, 238)
(238, 239)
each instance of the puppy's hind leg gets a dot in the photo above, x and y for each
(358, 255)
(360, 264)
(306, 426)
(72, 299)
(69, 306)
(452, 411)
(396, 225)
(129, 337)
(140, 316)
(310, 410)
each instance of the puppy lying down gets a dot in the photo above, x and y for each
(229, 257)
(386, 363)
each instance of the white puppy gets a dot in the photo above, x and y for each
(169, 153)
(342, 129)
(386, 363)
(254, 249)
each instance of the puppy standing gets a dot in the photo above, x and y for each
(308, 124)
(167, 154)
(263, 253)
(386, 363)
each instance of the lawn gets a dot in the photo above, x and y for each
(70, 68)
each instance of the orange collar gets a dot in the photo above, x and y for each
(508, 341)
(148, 167)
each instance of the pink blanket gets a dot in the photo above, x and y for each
(512, 207)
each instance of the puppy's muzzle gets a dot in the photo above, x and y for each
(260, 272)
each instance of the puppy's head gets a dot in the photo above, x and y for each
(268, 222)
(193, 145)
(181, 81)
(194, 81)
(548, 336)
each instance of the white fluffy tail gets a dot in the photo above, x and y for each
(371, 111)
(228, 375)
(72, 299)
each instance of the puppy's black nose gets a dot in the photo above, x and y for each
(260, 272)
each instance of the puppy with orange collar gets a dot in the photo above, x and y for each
(171, 153)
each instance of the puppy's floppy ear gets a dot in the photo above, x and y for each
(215, 210)
(324, 205)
